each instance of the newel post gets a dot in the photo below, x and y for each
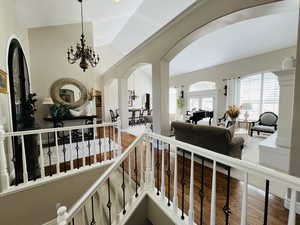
(62, 215)
(148, 156)
(4, 177)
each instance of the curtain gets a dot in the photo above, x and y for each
(233, 92)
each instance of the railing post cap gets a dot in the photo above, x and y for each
(61, 210)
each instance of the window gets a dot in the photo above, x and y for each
(262, 92)
(207, 104)
(202, 86)
(173, 101)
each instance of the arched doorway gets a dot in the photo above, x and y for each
(19, 84)
(21, 114)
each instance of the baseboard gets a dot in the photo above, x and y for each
(287, 205)
(51, 222)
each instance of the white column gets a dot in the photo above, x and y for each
(160, 98)
(286, 80)
(123, 101)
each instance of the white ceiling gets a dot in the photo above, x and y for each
(148, 19)
(126, 24)
(108, 17)
(245, 39)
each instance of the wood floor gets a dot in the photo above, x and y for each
(277, 215)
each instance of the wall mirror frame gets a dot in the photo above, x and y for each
(57, 86)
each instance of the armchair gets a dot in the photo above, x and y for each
(267, 123)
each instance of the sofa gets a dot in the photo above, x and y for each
(217, 139)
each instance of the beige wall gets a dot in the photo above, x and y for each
(10, 27)
(48, 48)
(38, 205)
(266, 62)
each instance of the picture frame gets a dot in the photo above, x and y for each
(3, 82)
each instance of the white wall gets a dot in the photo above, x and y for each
(266, 62)
(48, 48)
(141, 82)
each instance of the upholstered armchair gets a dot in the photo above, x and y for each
(267, 123)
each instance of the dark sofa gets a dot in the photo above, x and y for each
(216, 139)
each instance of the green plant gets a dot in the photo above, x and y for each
(60, 111)
(180, 103)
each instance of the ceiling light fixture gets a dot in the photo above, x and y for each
(83, 52)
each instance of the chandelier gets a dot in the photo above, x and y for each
(83, 52)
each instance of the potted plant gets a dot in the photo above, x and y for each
(233, 112)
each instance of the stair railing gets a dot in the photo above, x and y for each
(159, 152)
(58, 152)
(65, 216)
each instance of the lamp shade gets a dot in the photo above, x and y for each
(48, 101)
(246, 106)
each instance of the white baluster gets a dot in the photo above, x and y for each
(4, 177)
(42, 163)
(24, 162)
(152, 165)
(119, 136)
(292, 213)
(83, 148)
(129, 169)
(57, 154)
(71, 150)
(62, 215)
(114, 141)
(142, 166)
(245, 200)
(213, 196)
(175, 197)
(148, 158)
(162, 187)
(94, 141)
(104, 144)
(191, 209)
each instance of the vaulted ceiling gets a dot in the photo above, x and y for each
(124, 24)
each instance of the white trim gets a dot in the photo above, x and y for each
(287, 205)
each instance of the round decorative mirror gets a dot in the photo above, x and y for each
(69, 92)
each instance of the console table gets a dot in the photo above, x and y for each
(60, 122)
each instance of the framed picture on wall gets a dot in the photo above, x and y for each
(3, 82)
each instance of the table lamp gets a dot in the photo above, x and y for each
(48, 101)
(246, 107)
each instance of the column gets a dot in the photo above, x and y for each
(123, 101)
(160, 98)
(286, 80)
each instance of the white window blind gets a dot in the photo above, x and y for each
(262, 92)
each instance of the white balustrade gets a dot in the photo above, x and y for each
(191, 209)
(70, 147)
(162, 187)
(24, 161)
(42, 165)
(213, 196)
(4, 177)
(175, 197)
(152, 139)
(244, 201)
